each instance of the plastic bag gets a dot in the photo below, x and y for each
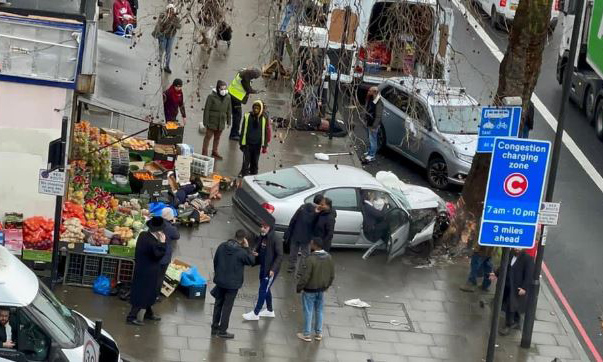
(102, 285)
(192, 278)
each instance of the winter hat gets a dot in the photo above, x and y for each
(167, 213)
(177, 82)
(155, 224)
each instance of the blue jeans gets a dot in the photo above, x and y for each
(264, 294)
(312, 307)
(165, 46)
(480, 265)
(372, 136)
(289, 11)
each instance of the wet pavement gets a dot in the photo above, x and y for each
(417, 312)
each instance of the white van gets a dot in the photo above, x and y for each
(390, 38)
(502, 12)
(41, 327)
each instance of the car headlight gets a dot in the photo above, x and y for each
(462, 157)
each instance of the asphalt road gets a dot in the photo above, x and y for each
(574, 248)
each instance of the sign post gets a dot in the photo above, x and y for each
(497, 122)
(512, 203)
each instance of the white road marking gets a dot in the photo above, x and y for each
(588, 167)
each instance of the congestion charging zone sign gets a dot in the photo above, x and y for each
(497, 122)
(514, 193)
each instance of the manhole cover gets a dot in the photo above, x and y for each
(393, 317)
(358, 336)
(248, 352)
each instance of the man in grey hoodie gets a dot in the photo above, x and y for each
(229, 263)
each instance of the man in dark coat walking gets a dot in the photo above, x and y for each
(229, 263)
(269, 250)
(150, 248)
(325, 223)
(300, 231)
(517, 287)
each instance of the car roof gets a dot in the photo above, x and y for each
(341, 175)
(18, 284)
(433, 91)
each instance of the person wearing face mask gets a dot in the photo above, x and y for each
(173, 100)
(517, 288)
(255, 135)
(269, 251)
(216, 115)
(374, 110)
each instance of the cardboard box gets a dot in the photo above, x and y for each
(165, 152)
(183, 167)
(211, 186)
(169, 285)
(155, 168)
(150, 186)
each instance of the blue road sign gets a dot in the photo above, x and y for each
(514, 193)
(497, 122)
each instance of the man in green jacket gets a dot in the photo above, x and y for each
(316, 277)
(216, 115)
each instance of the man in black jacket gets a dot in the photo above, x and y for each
(300, 231)
(517, 287)
(374, 111)
(229, 263)
(374, 223)
(325, 223)
(269, 251)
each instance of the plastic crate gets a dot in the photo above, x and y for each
(83, 269)
(202, 165)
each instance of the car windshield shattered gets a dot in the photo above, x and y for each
(284, 182)
(457, 119)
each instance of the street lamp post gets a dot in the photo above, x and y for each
(528, 326)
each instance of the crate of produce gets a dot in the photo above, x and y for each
(202, 165)
(144, 181)
(13, 220)
(121, 250)
(37, 255)
(165, 152)
(169, 129)
(156, 168)
(83, 269)
(120, 161)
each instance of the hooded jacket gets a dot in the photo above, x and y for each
(229, 263)
(317, 274)
(216, 113)
(301, 226)
(255, 130)
(325, 226)
(166, 25)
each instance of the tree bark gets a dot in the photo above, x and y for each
(518, 74)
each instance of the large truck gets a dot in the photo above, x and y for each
(389, 38)
(586, 88)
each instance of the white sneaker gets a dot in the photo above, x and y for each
(369, 158)
(266, 313)
(251, 316)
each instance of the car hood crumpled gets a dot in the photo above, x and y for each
(462, 143)
(418, 197)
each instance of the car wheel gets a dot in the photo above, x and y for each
(381, 139)
(589, 104)
(437, 173)
(493, 18)
(599, 120)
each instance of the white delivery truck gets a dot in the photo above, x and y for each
(389, 38)
(41, 327)
(586, 89)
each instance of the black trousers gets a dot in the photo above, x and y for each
(134, 313)
(161, 277)
(512, 318)
(251, 159)
(237, 113)
(224, 301)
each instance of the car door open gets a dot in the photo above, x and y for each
(399, 228)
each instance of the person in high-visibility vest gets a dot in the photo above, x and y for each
(240, 89)
(255, 135)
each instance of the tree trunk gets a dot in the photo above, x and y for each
(518, 75)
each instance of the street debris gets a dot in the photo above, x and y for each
(357, 303)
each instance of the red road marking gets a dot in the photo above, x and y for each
(571, 314)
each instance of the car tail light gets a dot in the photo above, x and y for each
(358, 69)
(503, 3)
(361, 54)
(556, 5)
(268, 207)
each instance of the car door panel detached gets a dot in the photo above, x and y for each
(348, 223)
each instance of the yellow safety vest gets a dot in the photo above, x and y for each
(246, 123)
(236, 88)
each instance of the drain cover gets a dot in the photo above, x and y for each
(248, 352)
(358, 336)
(390, 317)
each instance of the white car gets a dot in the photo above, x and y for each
(502, 12)
(273, 198)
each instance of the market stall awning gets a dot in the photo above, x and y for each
(121, 72)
